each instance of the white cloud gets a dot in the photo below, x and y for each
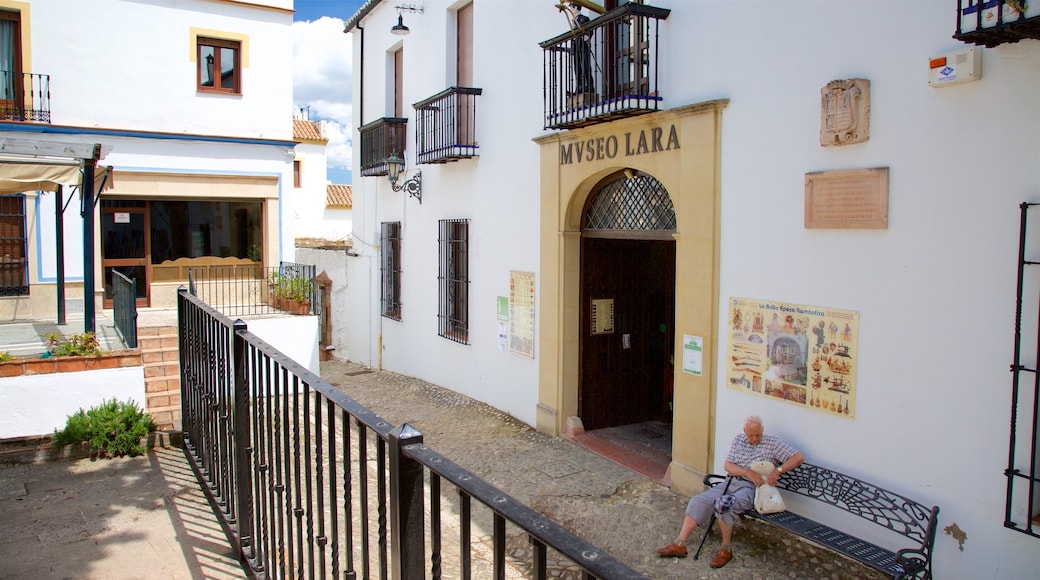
(322, 81)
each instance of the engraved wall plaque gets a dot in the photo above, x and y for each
(845, 112)
(850, 199)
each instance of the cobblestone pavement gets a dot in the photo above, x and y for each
(608, 505)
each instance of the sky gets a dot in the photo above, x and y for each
(322, 75)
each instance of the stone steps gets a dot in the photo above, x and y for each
(162, 383)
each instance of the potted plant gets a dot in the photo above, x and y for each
(290, 292)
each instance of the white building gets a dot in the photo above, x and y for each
(193, 117)
(321, 210)
(888, 200)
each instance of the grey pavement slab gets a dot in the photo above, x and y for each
(124, 518)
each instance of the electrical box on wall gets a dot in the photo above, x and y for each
(955, 67)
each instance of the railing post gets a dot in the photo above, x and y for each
(243, 481)
(406, 506)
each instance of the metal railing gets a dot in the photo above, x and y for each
(124, 307)
(446, 126)
(995, 22)
(381, 139)
(603, 69)
(307, 482)
(255, 290)
(25, 97)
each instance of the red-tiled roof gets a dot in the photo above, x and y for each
(339, 195)
(307, 131)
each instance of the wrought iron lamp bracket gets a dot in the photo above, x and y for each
(412, 185)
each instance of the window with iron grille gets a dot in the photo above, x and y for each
(14, 276)
(390, 243)
(453, 280)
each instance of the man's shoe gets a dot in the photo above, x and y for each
(722, 557)
(672, 550)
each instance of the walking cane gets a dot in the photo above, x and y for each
(711, 520)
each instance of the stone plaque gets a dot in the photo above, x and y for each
(852, 199)
(845, 112)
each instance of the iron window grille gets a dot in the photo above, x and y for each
(446, 126)
(995, 22)
(380, 140)
(390, 269)
(630, 204)
(453, 280)
(14, 275)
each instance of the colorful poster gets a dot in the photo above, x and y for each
(805, 355)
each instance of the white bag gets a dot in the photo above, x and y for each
(768, 500)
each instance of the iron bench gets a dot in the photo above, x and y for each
(908, 518)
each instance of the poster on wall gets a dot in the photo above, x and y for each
(804, 355)
(521, 313)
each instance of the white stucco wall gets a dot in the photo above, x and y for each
(496, 192)
(934, 291)
(144, 76)
(294, 336)
(40, 404)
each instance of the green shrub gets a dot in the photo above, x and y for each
(6, 357)
(113, 428)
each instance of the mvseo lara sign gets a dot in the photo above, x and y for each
(653, 140)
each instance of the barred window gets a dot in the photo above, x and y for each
(453, 280)
(14, 276)
(390, 243)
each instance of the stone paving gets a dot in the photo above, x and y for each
(606, 504)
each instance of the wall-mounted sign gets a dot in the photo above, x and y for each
(521, 313)
(852, 199)
(805, 355)
(652, 140)
(602, 316)
(121, 217)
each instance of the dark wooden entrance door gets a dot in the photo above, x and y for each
(626, 366)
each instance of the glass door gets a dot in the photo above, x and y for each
(124, 245)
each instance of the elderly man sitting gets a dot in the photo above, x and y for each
(747, 448)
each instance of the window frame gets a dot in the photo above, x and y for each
(217, 44)
(453, 280)
(14, 241)
(297, 167)
(390, 305)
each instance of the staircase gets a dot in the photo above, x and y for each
(162, 383)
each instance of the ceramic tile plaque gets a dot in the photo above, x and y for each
(847, 199)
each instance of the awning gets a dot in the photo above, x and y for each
(17, 176)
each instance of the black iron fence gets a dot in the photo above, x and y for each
(124, 307)
(253, 290)
(604, 68)
(309, 483)
(25, 97)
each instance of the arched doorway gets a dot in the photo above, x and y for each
(628, 303)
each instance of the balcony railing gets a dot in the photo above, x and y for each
(25, 97)
(603, 69)
(446, 126)
(308, 483)
(255, 290)
(379, 140)
(994, 22)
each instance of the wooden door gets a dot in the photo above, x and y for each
(627, 325)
